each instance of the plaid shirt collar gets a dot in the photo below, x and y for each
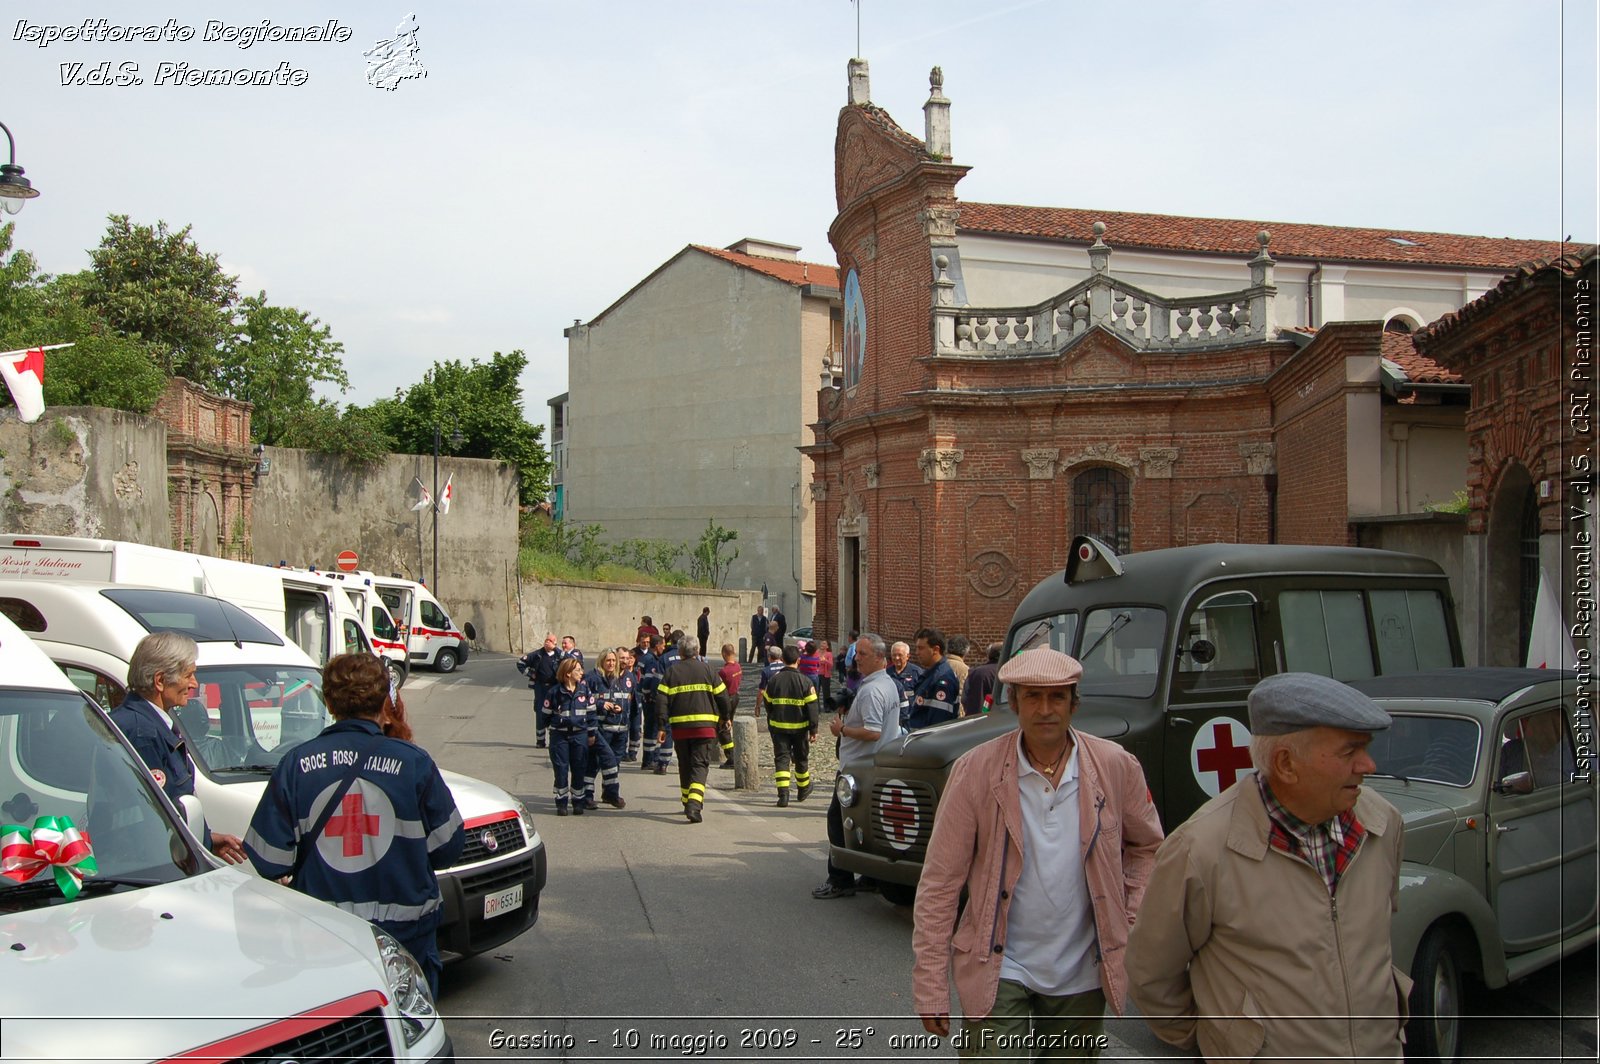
(1327, 847)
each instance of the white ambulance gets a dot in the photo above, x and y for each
(161, 952)
(380, 623)
(259, 696)
(431, 638)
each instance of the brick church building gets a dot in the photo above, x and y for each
(1011, 376)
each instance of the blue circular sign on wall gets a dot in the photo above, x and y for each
(855, 330)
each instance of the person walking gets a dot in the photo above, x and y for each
(690, 702)
(1265, 930)
(1051, 834)
(570, 708)
(871, 721)
(792, 721)
(361, 820)
(730, 674)
(758, 636)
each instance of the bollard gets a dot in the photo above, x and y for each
(746, 767)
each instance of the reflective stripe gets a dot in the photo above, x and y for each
(811, 696)
(267, 850)
(788, 724)
(442, 834)
(694, 718)
(389, 911)
(696, 788)
(937, 703)
(682, 688)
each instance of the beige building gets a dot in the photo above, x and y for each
(714, 359)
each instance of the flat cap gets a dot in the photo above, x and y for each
(1293, 701)
(1041, 667)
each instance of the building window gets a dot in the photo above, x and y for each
(1528, 569)
(1100, 507)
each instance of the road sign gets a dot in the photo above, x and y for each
(347, 561)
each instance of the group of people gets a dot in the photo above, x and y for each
(1258, 929)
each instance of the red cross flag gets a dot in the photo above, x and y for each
(24, 375)
(1549, 642)
(427, 496)
(447, 496)
(1220, 754)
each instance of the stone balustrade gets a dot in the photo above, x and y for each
(1143, 319)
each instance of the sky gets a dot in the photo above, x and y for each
(556, 153)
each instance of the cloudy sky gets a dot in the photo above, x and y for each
(556, 153)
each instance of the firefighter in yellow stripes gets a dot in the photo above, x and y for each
(793, 716)
(690, 702)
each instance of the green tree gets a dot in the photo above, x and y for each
(103, 368)
(355, 433)
(707, 560)
(482, 401)
(159, 286)
(273, 359)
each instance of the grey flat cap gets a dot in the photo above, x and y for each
(1292, 701)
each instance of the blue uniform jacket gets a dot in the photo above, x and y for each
(933, 696)
(570, 711)
(540, 665)
(376, 855)
(650, 672)
(617, 692)
(156, 743)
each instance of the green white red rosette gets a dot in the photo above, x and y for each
(55, 843)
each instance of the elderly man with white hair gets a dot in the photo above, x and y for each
(1052, 833)
(1265, 928)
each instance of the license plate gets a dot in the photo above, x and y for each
(503, 902)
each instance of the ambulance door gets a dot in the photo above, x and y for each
(1217, 659)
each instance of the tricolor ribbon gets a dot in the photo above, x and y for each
(54, 843)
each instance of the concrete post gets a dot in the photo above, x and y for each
(746, 768)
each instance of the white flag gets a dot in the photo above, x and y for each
(427, 496)
(24, 375)
(1549, 644)
(447, 496)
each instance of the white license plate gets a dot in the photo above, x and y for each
(503, 902)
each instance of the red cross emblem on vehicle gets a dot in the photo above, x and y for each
(898, 815)
(352, 824)
(1220, 754)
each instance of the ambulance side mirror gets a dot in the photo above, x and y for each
(193, 815)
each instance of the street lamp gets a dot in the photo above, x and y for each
(15, 190)
(455, 443)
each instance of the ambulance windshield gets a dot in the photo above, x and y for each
(246, 717)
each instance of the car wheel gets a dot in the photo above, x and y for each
(446, 661)
(397, 673)
(1434, 1032)
(898, 893)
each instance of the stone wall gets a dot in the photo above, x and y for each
(85, 471)
(308, 507)
(607, 615)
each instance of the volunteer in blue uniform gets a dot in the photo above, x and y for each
(628, 660)
(160, 681)
(570, 708)
(650, 673)
(540, 668)
(613, 694)
(380, 816)
(935, 691)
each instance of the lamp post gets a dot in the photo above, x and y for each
(455, 442)
(15, 190)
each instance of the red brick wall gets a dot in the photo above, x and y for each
(210, 466)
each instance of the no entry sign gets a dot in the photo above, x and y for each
(347, 561)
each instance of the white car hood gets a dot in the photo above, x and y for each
(160, 970)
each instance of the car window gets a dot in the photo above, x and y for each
(203, 619)
(1325, 632)
(383, 624)
(433, 616)
(355, 640)
(1218, 647)
(97, 685)
(244, 718)
(1425, 747)
(1121, 650)
(1412, 633)
(1538, 744)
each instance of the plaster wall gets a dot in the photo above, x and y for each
(607, 615)
(1424, 457)
(85, 471)
(687, 400)
(311, 506)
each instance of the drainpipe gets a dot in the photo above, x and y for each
(1311, 295)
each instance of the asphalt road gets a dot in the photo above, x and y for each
(658, 939)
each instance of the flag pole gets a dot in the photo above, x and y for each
(25, 350)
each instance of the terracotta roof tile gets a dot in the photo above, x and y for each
(1228, 236)
(1418, 368)
(790, 271)
(1581, 256)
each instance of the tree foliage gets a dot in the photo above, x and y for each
(353, 432)
(273, 359)
(158, 286)
(708, 560)
(479, 402)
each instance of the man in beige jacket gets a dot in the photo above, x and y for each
(1264, 932)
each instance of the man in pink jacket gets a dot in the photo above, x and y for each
(1053, 834)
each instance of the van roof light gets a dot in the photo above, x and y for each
(1089, 559)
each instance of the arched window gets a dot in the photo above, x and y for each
(1528, 569)
(1100, 507)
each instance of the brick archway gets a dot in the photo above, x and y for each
(1512, 576)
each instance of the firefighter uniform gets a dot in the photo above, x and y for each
(376, 856)
(614, 698)
(793, 715)
(691, 700)
(934, 696)
(572, 725)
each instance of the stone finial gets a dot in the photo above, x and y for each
(1099, 251)
(860, 84)
(936, 117)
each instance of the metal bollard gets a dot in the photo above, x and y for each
(746, 768)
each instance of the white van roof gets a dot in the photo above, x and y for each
(22, 664)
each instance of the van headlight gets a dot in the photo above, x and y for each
(408, 985)
(844, 789)
(528, 831)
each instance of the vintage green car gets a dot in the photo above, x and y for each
(1493, 770)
